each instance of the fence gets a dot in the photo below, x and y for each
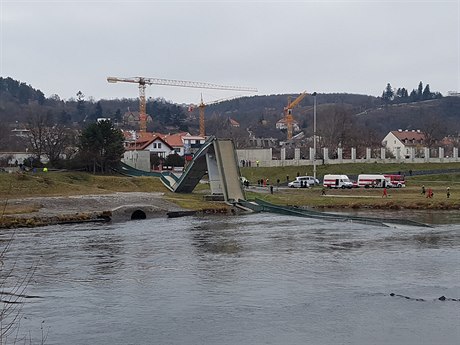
(265, 158)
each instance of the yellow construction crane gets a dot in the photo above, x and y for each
(168, 82)
(288, 112)
(203, 105)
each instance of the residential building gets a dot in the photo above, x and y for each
(233, 122)
(131, 118)
(192, 143)
(176, 141)
(404, 143)
(180, 143)
(281, 124)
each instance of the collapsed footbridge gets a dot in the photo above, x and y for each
(217, 158)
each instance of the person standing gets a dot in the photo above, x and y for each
(429, 193)
(448, 192)
(423, 189)
(385, 193)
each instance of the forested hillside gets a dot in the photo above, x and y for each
(343, 118)
(20, 103)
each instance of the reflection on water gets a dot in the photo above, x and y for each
(217, 237)
(258, 279)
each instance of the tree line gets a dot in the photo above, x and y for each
(401, 94)
(19, 100)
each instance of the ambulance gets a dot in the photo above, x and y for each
(373, 181)
(337, 181)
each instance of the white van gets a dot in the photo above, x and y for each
(373, 181)
(337, 181)
(303, 182)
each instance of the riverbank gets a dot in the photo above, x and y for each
(410, 197)
(28, 200)
(48, 210)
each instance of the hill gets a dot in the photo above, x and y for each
(441, 114)
(340, 116)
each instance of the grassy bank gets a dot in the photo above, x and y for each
(398, 198)
(72, 183)
(13, 186)
(409, 197)
(79, 183)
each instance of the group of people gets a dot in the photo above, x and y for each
(245, 163)
(263, 182)
(429, 192)
(248, 163)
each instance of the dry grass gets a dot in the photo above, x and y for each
(19, 209)
(8, 222)
(72, 183)
(409, 197)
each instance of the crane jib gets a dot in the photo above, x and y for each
(180, 83)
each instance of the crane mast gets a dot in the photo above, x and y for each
(201, 108)
(288, 113)
(142, 108)
(170, 82)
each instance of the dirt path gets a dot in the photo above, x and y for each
(53, 206)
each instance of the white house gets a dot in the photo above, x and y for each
(401, 143)
(159, 147)
(176, 141)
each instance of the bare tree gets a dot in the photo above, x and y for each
(36, 124)
(46, 138)
(13, 296)
(4, 136)
(433, 129)
(55, 142)
(335, 126)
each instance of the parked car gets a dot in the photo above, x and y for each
(303, 182)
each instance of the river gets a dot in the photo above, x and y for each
(255, 279)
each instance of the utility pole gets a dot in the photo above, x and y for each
(314, 135)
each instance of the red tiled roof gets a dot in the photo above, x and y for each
(233, 122)
(142, 144)
(409, 135)
(175, 140)
(143, 139)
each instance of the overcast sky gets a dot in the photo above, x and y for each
(64, 46)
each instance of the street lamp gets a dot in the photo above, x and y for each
(314, 135)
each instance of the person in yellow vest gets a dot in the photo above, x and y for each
(45, 169)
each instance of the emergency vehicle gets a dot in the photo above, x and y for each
(337, 181)
(396, 181)
(373, 181)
